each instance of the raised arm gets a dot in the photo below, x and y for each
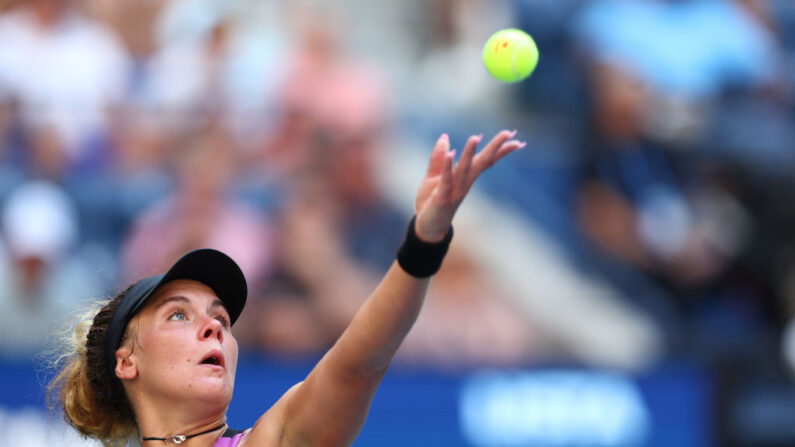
(330, 406)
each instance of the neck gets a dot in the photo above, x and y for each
(160, 420)
(160, 414)
(216, 428)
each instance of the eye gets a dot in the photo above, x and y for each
(178, 315)
(224, 321)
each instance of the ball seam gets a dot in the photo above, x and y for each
(513, 61)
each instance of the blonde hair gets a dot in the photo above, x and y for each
(92, 399)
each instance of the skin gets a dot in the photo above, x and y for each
(159, 364)
(171, 393)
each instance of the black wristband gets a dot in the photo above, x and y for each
(422, 259)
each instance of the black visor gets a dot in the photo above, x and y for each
(207, 266)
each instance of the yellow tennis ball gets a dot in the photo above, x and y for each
(510, 55)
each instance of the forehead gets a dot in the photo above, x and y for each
(194, 291)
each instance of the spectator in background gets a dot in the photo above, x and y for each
(7, 118)
(144, 153)
(335, 227)
(42, 269)
(449, 75)
(692, 136)
(692, 49)
(201, 212)
(469, 321)
(65, 72)
(317, 281)
(686, 54)
(11, 173)
(134, 22)
(324, 97)
(207, 62)
(638, 205)
(336, 113)
(653, 91)
(336, 224)
(188, 79)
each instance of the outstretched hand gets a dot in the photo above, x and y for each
(445, 186)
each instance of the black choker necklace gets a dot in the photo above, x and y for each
(179, 439)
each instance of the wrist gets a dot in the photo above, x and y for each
(422, 258)
(435, 238)
(428, 232)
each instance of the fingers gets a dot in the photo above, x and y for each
(441, 148)
(462, 169)
(447, 183)
(458, 177)
(497, 148)
(445, 189)
(488, 156)
(508, 147)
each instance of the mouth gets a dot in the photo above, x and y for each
(213, 358)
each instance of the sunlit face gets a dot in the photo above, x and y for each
(183, 347)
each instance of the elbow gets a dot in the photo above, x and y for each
(375, 374)
(367, 376)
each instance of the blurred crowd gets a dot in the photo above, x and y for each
(650, 217)
(134, 132)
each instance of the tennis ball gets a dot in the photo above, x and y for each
(510, 55)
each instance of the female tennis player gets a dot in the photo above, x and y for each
(156, 364)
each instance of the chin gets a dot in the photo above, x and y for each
(215, 386)
(215, 396)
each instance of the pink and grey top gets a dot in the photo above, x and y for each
(230, 439)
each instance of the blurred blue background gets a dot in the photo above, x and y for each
(628, 279)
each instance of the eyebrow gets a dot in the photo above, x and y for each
(217, 303)
(172, 299)
(179, 298)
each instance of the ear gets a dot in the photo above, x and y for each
(126, 367)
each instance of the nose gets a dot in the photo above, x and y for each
(212, 329)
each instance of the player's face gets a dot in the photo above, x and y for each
(184, 345)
